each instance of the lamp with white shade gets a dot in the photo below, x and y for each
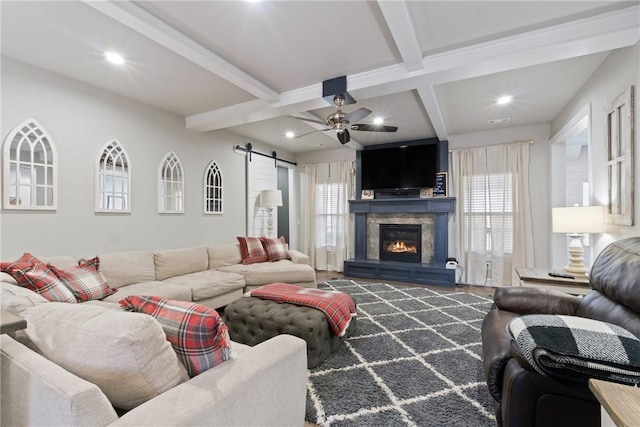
(270, 199)
(575, 221)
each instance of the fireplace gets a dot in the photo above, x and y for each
(401, 242)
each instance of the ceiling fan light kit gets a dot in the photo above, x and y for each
(341, 122)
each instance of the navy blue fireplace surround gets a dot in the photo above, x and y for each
(433, 273)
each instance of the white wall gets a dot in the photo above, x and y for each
(80, 120)
(539, 180)
(618, 71)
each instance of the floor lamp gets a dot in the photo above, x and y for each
(270, 199)
(575, 221)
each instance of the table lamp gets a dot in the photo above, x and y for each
(575, 221)
(270, 199)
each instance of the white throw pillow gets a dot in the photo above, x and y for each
(126, 354)
(16, 299)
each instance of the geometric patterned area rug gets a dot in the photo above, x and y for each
(414, 360)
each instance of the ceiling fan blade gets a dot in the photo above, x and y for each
(313, 131)
(357, 115)
(344, 136)
(309, 120)
(374, 128)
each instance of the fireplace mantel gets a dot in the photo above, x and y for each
(435, 273)
(430, 205)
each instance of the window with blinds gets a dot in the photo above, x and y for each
(331, 214)
(488, 212)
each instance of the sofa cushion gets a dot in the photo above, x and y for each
(16, 299)
(224, 255)
(161, 289)
(209, 283)
(85, 281)
(197, 333)
(125, 354)
(252, 250)
(40, 279)
(270, 272)
(125, 268)
(176, 262)
(276, 248)
(577, 349)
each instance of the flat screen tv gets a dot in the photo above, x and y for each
(395, 168)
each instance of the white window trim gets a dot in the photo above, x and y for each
(212, 167)
(6, 169)
(167, 158)
(97, 193)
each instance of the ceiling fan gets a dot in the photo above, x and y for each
(341, 122)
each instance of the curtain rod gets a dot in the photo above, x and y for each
(249, 149)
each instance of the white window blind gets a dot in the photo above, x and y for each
(330, 208)
(488, 212)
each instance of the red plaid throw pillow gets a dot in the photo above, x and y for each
(40, 279)
(26, 258)
(196, 332)
(276, 248)
(85, 281)
(252, 250)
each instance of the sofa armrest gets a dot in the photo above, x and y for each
(298, 257)
(536, 301)
(264, 385)
(36, 391)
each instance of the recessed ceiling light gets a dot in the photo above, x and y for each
(504, 99)
(114, 58)
(378, 121)
(289, 134)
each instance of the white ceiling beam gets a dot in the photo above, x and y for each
(136, 18)
(430, 101)
(583, 37)
(396, 14)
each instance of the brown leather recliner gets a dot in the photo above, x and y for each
(522, 396)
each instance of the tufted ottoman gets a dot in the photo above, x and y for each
(253, 320)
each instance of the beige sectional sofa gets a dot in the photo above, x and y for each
(38, 388)
(209, 275)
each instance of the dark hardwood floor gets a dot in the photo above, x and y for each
(486, 291)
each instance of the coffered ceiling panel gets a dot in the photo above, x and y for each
(69, 38)
(539, 93)
(286, 44)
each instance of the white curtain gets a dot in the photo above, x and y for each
(326, 226)
(493, 212)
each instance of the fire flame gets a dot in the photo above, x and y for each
(400, 246)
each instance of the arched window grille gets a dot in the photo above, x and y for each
(113, 179)
(30, 168)
(171, 185)
(212, 189)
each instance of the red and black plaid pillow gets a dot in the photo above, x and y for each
(85, 281)
(252, 250)
(196, 333)
(40, 279)
(276, 248)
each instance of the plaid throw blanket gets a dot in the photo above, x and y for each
(576, 348)
(338, 307)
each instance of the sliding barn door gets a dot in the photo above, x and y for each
(261, 175)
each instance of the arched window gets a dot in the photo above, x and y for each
(30, 168)
(113, 179)
(171, 185)
(212, 189)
